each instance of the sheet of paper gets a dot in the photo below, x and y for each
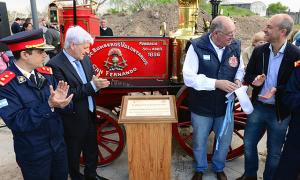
(243, 98)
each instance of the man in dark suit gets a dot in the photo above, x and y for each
(268, 71)
(74, 67)
(288, 167)
(16, 26)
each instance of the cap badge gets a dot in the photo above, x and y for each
(21, 79)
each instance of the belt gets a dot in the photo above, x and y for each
(266, 104)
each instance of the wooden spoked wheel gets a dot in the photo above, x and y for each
(110, 137)
(183, 130)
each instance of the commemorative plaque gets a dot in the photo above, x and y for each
(154, 109)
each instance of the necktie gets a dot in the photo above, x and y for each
(82, 76)
(32, 79)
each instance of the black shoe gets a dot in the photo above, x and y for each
(97, 177)
(243, 177)
(78, 177)
(221, 175)
(197, 176)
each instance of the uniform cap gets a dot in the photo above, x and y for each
(26, 40)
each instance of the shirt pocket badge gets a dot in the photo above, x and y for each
(206, 57)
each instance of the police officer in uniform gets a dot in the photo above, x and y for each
(289, 161)
(29, 106)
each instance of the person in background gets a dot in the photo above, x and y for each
(74, 66)
(29, 106)
(52, 37)
(22, 22)
(43, 25)
(16, 26)
(267, 72)
(26, 22)
(288, 167)
(212, 68)
(296, 39)
(27, 26)
(104, 29)
(4, 59)
(257, 39)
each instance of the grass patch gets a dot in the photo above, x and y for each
(229, 10)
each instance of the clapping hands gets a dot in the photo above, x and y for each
(100, 82)
(259, 80)
(270, 93)
(58, 97)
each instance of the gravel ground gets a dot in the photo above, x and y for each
(181, 163)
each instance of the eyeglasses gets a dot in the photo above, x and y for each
(231, 34)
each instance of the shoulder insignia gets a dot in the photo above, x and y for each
(6, 77)
(45, 70)
(297, 63)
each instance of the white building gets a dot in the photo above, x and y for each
(257, 7)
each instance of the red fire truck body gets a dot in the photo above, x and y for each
(135, 65)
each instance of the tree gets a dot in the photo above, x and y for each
(275, 8)
(96, 3)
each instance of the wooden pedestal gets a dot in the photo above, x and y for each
(149, 142)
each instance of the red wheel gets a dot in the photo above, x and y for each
(110, 137)
(183, 130)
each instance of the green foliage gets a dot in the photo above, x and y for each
(206, 6)
(229, 10)
(276, 8)
(113, 11)
(236, 11)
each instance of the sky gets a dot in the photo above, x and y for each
(24, 5)
(294, 5)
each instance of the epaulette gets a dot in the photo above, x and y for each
(297, 63)
(6, 77)
(45, 70)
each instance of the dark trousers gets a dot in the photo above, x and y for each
(52, 166)
(87, 144)
(289, 166)
(263, 117)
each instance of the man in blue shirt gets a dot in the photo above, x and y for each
(268, 71)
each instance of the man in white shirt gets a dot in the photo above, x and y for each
(212, 68)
